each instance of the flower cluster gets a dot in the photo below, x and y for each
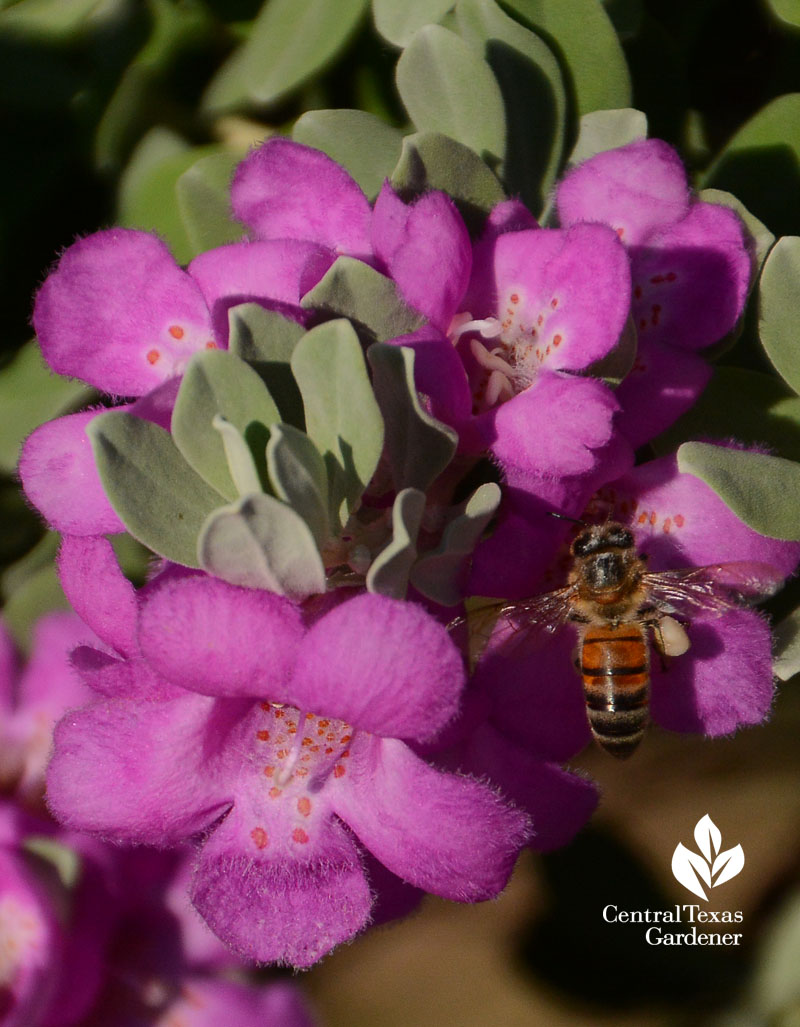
(288, 692)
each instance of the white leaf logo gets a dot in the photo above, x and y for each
(713, 867)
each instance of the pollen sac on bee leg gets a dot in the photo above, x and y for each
(671, 637)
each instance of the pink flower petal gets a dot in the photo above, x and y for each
(60, 478)
(358, 659)
(277, 906)
(690, 280)
(276, 274)
(636, 189)
(663, 384)
(427, 253)
(120, 314)
(723, 682)
(465, 845)
(98, 591)
(140, 771)
(218, 639)
(283, 190)
(559, 803)
(679, 521)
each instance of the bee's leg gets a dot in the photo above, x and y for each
(654, 627)
(577, 618)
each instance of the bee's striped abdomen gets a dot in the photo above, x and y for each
(615, 667)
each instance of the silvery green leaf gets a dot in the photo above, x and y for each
(430, 160)
(218, 382)
(202, 193)
(371, 301)
(533, 93)
(779, 290)
(298, 476)
(786, 639)
(762, 490)
(159, 498)
(266, 340)
(359, 141)
(448, 88)
(260, 542)
(290, 41)
(761, 164)
(440, 574)
(342, 417)
(419, 446)
(31, 394)
(762, 237)
(606, 130)
(239, 456)
(583, 37)
(389, 571)
(614, 366)
(398, 20)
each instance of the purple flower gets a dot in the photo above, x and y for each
(118, 313)
(691, 264)
(33, 698)
(283, 745)
(725, 679)
(529, 309)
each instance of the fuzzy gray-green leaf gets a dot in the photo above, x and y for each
(266, 339)
(297, 472)
(440, 575)
(779, 295)
(388, 574)
(430, 160)
(762, 490)
(261, 542)
(370, 301)
(159, 498)
(218, 382)
(419, 446)
(533, 94)
(342, 417)
(359, 141)
(448, 88)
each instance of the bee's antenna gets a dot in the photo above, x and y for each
(564, 517)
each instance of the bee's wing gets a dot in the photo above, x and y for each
(515, 626)
(713, 589)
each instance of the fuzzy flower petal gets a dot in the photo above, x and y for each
(380, 664)
(140, 771)
(218, 639)
(284, 190)
(437, 851)
(276, 273)
(636, 189)
(723, 682)
(60, 478)
(426, 250)
(262, 901)
(98, 591)
(120, 314)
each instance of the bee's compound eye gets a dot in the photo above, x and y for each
(583, 544)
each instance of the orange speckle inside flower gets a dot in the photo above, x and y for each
(642, 518)
(556, 340)
(514, 297)
(269, 771)
(653, 517)
(339, 770)
(282, 754)
(259, 836)
(153, 356)
(211, 344)
(176, 331)
(679, 520)
(304, 806)
(263, 736)
(274, 793)
(324, 723)
(300, 836)
(667, 525)
(554, 302)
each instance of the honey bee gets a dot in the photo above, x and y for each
(619, 608)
